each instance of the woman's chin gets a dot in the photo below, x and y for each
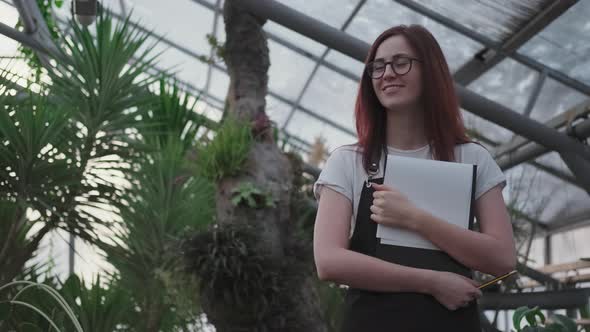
(400, 106)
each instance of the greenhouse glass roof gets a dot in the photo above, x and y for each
(530, 56)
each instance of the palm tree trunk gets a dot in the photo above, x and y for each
(247, 59)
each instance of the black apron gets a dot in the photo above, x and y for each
(368, 311)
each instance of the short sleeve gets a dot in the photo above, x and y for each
(489, 173)
(336, 174)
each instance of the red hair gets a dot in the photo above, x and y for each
(443, 123)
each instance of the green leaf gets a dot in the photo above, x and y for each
(532, 314)
(533, 329)
(236, 200)
(567, 323)
(519, 314)
(4, 311)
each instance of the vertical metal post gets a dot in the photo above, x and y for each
(72, 254)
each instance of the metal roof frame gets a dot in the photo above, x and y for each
(354, 48)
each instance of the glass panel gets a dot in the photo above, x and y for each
(537, 253)
(332, 96)
(8, 16)
(186, 67)
(554, 99)
(486, 128)
(212, 112)
(184, 22)
(564, 44)
(526, 190)
(379, 15)
(554, 160)
(309, 129)
(9, 46)
(345, 62)
(543, 196)
(508, 83)
(292, 37)
(571, 245)
(277, 111)
(288, 71)
(497, 20)
(219, 84)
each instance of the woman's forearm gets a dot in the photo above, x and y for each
(357, 270)
(476, 250)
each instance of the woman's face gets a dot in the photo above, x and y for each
(397, 91)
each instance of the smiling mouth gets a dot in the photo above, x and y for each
(392, 86)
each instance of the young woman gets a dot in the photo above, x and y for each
(406, 105)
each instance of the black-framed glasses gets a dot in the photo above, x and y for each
(400, 64)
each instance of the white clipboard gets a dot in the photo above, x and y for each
(443, 189)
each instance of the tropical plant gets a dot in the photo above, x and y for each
(536, 321)
(38, 171)
(32, 306)
(98, 140)
(226, 154)
(46, 11)
(250, 195)
(266, 233)
(164, 202)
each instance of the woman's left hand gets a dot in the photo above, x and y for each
(392, 208)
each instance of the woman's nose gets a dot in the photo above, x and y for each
(389, 72)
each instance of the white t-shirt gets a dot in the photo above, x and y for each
(344, 172)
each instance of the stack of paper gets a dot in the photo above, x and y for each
(444, 189)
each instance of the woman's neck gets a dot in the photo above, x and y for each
(405, 129)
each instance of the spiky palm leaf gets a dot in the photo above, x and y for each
(164, 202)
(103, 307)
(104, 85)
(63, 153)
(37, 172)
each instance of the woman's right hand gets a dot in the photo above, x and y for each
(453, 290)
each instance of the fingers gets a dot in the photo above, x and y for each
(381, 187)
(379, 201)
(471, 281)
(377, 218)
(376, 210)
(462, 304)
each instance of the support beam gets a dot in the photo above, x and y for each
(560, 120)
(317, 65)
(571, 222)
(35, 26)
(535, 93)
(557, 173)
(23, 38)
(187, 51)
(281, 41)
(520, 124)
(216, 14)
(545, 168)
(308, 26)
(534, 150)
(497, 48)
(580, 167)
(475, 67)
(540, 277)
(562, 299)
(472, 102)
